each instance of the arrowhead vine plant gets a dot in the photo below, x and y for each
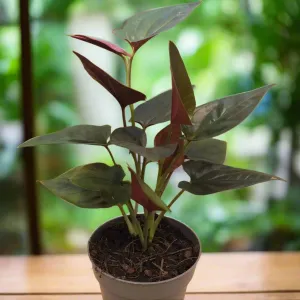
(187, 140)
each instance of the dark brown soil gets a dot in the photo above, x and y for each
(120, 255)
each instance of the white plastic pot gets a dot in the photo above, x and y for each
(117, 289)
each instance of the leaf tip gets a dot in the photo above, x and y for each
(81, 57)
(197, 3)
(172, 47)
(24, 145)
(182, 184)
(278, 178)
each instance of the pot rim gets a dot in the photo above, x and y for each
(148, 283)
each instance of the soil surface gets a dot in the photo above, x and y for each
(120, 255)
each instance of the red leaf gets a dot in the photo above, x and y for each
(179, 115)
(102, 44)
(171, 134)
(176, 164)
(124, 95)
(138, 195)
(168, 135)
(137, 45)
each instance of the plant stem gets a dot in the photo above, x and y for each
(128, 64)
(175, 198)
(135, 162)
(132, 114)
(144, 168)
(162, 214)
(151, 226)
(129, 224)
(128, 83)
(136, 222)
(111, 155)
(124, 117)
(136, 208)
(163, 185)
(158, 176)
(146, 229)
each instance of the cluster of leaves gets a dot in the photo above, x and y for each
(188, 140)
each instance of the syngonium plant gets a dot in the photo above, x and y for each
(188, 139)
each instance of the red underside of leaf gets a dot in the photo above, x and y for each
(170, 134)
(138, 195)
(178, 115)
(176, 164)
(102, 44)
(137, 45)
(124, 95)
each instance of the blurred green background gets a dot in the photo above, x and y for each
(228, 46)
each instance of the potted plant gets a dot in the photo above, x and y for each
(148, 255)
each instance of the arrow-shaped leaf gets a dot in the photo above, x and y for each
(182, 80)
(102, 44)
(143, 26)
(98, 176)
(135, 140)
(144, 195)
(183, 100)
(154, 111)
(79, 134)
(123, 94)
(62, 187)
(219, 116)
(129, 135)
(211, 150)
(208, 178)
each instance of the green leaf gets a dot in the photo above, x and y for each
(128, 136)
(208, 178)
(144, 195)
(154, 111)
(219, 116)
(80, 134)
(98, 176)
(135, 140)
(147, 24)
(211, 150)
(181, 80)
(62, 187)
(157, 153)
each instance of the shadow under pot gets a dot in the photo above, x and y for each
(124, 275)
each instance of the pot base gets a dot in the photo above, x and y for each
(107, 295)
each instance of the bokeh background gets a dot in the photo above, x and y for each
(229, 46)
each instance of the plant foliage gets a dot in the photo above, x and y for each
(186, 140)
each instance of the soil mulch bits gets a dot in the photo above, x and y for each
(120, 255)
